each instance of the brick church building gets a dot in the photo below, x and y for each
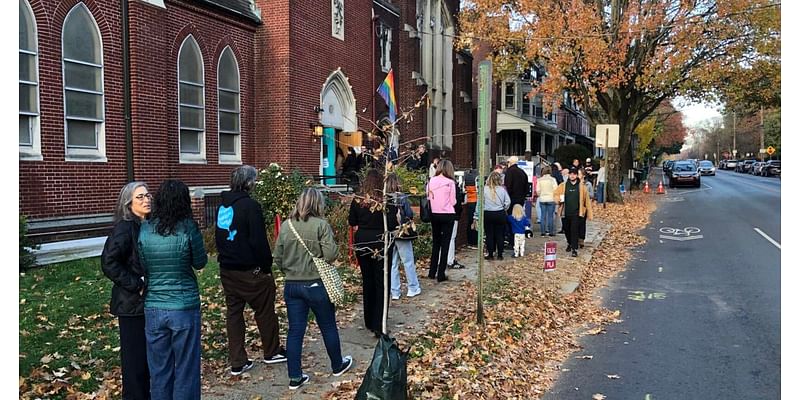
(113, 91)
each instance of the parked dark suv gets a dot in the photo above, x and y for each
(771, 168)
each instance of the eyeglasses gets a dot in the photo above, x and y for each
(143, 196)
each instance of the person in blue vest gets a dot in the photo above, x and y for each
(170, 249)
(245, 271)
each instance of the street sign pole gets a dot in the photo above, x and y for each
(605, 161)
(484, 123)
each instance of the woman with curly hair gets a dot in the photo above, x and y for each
(366, 213)
(170, 247)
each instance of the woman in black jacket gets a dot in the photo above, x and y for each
(120, 263)
(366, 214)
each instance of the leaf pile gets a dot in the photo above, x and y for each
(530, 327)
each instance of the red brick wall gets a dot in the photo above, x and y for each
(283, 65)
(156, 37)
(54, 187)
(271, 88)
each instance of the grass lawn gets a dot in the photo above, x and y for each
(69, 342)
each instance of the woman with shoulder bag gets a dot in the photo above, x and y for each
(495, 203)
(404, 242)
(304, 233)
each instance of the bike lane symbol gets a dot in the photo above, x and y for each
(680, 234)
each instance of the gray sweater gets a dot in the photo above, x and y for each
(290, 256)
(499, 202)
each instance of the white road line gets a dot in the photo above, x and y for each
(760, 232)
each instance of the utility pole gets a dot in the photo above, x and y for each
(734, 134)
(760, 153)
(484, 124)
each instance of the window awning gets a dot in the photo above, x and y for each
(506, 121)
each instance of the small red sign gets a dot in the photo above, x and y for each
(550, 250)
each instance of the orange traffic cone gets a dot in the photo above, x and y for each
(660, 189)
(647, 187)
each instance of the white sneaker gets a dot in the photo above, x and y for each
(395, 297)
(414, 293)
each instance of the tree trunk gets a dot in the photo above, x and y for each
(616, 163)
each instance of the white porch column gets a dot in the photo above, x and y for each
(542, 137)
(528, 140)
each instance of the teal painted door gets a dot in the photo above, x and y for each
(329, 155)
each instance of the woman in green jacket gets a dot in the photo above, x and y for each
(171, 247)
(304, 289)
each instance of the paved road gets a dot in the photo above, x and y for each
(701, 316)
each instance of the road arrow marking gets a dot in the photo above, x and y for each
(682, 239)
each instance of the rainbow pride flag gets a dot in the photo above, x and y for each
(386, 90)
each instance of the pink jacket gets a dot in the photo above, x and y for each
(442, 195)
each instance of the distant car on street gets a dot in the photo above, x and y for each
(707, 168)
(731, 164)
(756, 168)
(771, 168)
(684, 173)
(744, 166)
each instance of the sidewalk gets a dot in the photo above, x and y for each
(406, 318)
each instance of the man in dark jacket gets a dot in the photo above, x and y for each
(245, 268)
(516, 183)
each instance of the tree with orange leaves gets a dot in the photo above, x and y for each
(622, 58)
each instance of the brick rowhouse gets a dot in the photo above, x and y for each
(285, 52)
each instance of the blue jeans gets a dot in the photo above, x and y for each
(547, 224)
(539, 211)
(404, 251)
(173, 353)
(300, 297)
(599, 196)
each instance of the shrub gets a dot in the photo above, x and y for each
(209, 239)
(413, 181)
(26, 257)
(337, 211)
(565, 154)
(278, 191)
(423, 245)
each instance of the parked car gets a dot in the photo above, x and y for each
(756, 168)
(771, 168)
(731, 164)
(707, 168)
(744, 166)
(684, 173)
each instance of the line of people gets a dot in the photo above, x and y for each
(151, 257)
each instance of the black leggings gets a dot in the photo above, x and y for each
(494, 222)
(441, 232)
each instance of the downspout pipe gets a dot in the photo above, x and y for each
(374, 65)
(126, 91)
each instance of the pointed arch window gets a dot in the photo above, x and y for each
(229, 106)
(29, 142)
(191, 102)
(82, 63)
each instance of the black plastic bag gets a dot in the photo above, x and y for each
(387, 377)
